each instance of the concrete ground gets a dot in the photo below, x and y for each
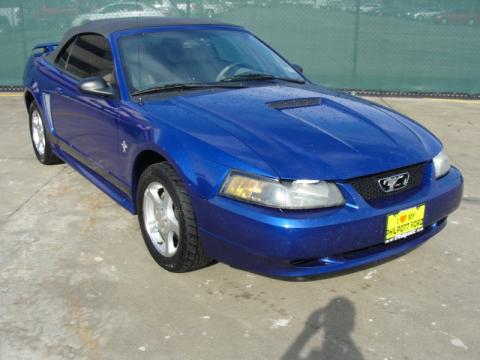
(76, 281)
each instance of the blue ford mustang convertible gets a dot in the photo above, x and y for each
(227, 152)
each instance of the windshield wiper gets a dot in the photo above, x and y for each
(182, 86)
(260, 76)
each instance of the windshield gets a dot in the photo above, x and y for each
(197, 56)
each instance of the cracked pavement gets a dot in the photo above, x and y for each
(76, 281)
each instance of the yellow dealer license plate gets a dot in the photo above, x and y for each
(405, 223)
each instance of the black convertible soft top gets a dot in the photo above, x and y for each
(106, 27)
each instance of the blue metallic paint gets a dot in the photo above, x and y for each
(84, 122)
(205, 134)
(268, 240)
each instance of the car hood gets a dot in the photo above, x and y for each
(313, 134)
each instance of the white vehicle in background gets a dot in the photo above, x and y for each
(120, 10)
(371, 8)
(165, 6)
(342, 5)
(203, 8)
(10, 17)
(214, 8)
(425, 14)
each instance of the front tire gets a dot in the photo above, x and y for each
(167, 220)
(40, 138)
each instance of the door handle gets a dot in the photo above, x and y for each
(59, 90)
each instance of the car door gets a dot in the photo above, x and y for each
(86, 125)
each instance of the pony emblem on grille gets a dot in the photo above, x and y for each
(394, 183)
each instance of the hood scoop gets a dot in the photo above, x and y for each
(294, 103)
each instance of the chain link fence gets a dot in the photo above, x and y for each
(414, 46)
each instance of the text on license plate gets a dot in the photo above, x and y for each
(405, 223)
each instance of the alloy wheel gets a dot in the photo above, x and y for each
(38, 133)
(160, 219)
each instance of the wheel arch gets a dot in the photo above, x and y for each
(142, 161)
(177, 157)
(29, 99)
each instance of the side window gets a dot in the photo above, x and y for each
(62, 58)
(91, 56)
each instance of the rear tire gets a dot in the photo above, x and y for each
(167, 220)
(40, 137)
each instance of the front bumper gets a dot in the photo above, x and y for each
(303, 243)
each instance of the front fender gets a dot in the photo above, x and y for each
(200, 175)
(201, 154)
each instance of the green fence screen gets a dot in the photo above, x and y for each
(390, 45)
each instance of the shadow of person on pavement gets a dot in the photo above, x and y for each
(337, 320)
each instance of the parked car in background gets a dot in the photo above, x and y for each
(340, 5)
(258, 3)
(165, 6)
(205, 8)
(465, 17)
(392, 11)
(308, 3)
(321, 4)
(370, 8)
(193, 7)
(121, 10)
(213, 8)
(424, 14)
(10, 17)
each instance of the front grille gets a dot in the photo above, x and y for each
(369, 189)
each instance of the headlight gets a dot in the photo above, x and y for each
(301, 194)
(441, 162)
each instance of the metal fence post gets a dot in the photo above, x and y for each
(355, 42)
(23, 30)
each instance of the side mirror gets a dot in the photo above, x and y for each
(95, 86)
(298, 68)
